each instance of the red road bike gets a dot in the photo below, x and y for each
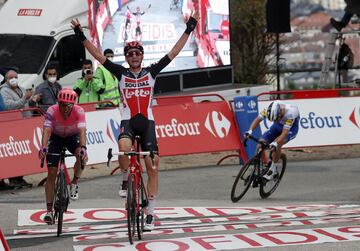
(137, 198)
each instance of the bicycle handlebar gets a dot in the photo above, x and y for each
(65, 156)
(262, 143)
(130, 153)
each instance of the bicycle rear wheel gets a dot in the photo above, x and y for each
(243, 180)
(268, 187)
(131, 208)
(143, 201)
(60, 204)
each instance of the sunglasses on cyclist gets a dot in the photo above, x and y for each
(132, 53)
(68, 105)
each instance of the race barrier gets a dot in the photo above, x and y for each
(327, 117)
(184, 125)
(181, 128)
(4, 246)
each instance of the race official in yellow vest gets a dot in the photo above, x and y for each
(111, 83)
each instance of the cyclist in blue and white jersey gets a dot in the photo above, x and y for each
(285, 118)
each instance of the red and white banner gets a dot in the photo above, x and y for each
(180, 129)
(195, 128)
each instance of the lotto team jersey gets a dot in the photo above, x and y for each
(65, 127)
(136, 91)
(291, 113)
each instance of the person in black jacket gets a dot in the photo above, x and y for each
(48, 90)
(352, 8)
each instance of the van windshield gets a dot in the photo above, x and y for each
(24, 52)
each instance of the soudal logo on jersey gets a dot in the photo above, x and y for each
(136, 83)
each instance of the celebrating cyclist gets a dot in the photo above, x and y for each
(136, 86)
(285, 118)
(138, 15)
(64, 125)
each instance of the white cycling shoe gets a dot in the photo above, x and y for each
(49, 218)
(149, 223)
(74, 193)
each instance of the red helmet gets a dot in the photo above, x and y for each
(67, 95)
(133, 45)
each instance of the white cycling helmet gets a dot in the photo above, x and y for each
(273, 111)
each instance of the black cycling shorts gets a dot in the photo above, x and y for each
(56, 143)
(140, 126)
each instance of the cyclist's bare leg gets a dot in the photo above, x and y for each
(50, 184)
(124, 145)
(152, 175)
(152, 185)
(77, 165)
(275, 155)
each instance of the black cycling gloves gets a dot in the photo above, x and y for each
(190, 25)
(79, 34)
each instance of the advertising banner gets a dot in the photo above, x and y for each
(195, 128)
(246, 110)
(180, 129)
(324, 121)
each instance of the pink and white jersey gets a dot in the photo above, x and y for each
(136, 91)
(65, 127)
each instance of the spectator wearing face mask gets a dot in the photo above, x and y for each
(16, 98)
(47, 90)
(88, 87)
(111, 83)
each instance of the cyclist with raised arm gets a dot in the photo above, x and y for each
(285, 118)
(64, 125)
(138, 15)
(136, 86)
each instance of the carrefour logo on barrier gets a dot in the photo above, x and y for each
(37, 139)
(239, 106)
(313, 121)
(355, 117)
(217, 124)
(113, 130)
(252, 104)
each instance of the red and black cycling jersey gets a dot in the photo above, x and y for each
(136, 91)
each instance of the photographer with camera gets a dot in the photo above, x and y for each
(88, 87)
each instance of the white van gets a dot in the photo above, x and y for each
(32, 33)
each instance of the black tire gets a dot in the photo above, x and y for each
(143, 204)
(60, 222)
(131, 208)
(268, 187)
(243, 180)
(60, 203)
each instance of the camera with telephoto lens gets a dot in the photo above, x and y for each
(88, 71)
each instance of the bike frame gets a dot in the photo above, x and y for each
(60, 205)
(135, 173)
(136, 170)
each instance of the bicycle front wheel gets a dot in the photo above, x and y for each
(60, 201)
(268, 187)
(131, 208)
(143, 202)
(243, 180)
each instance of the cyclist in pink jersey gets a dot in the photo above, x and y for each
(136, 86)
(64, 125)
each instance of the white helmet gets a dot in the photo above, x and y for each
(273, 111)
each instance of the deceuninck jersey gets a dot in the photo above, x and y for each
(65, 127)
(136, 91)
(291, 114)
